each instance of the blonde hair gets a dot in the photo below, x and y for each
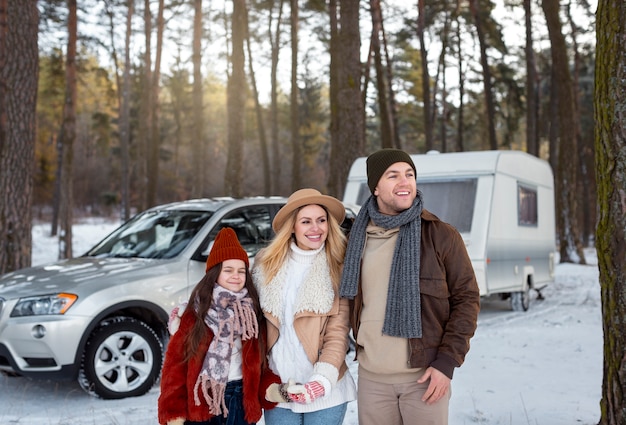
(272, 258)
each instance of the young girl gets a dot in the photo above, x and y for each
(213, 361)
(297, 277)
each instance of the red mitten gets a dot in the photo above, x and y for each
(306, 393)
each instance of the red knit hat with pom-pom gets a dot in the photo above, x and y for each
(226, 247)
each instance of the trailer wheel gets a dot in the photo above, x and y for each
(520, 301)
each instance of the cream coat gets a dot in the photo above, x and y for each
(321, 317)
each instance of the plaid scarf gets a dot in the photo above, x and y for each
(403, 313)
(231, 316)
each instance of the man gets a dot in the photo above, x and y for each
(415, 300)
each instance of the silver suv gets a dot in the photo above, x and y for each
(101, 318)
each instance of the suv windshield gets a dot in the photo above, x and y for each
(153, 234)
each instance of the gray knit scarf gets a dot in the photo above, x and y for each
(403, 316)
(231, 315)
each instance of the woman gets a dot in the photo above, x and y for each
(297, 276)
(212, 367)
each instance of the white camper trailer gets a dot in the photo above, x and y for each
(502, 203)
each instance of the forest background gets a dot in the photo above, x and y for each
(145, 102)
(112, 106)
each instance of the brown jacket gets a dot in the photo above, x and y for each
(450, 299)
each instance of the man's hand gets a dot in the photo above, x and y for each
(438, 387)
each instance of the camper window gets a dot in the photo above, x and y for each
(527, 205)
(451, 200)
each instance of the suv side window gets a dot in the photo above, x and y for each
(252, 224)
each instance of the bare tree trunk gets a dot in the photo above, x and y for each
(109, 10)
(145, 120)
(265, 159)
(532, 143)
(295, 119)
(145, 108)
(69, 135)
(154, 146)
(444, 107)
(236, 101)
(366, 69)
(610, 125)
(56, 196)
(276, 159)
(197, 189)
(584, 146)
(393, 106)
(553, 132)
(461, 123)
(122, 99)
(125, 116)
(350, 109)
(387, 129)
(441, 72)
(487, 84)
(335, 141)
(19, 67)
(421, 27)
(566, 201)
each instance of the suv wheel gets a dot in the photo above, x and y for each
(122, 358)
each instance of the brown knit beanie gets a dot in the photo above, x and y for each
(379, 161)
(226, 247)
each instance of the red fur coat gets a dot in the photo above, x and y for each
(179, 376)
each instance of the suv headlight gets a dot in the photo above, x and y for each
(44, 304)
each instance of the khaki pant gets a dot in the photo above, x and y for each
(398, 404)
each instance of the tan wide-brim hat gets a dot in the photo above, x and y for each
(303, 197)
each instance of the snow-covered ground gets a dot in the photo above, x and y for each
(542, 367)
